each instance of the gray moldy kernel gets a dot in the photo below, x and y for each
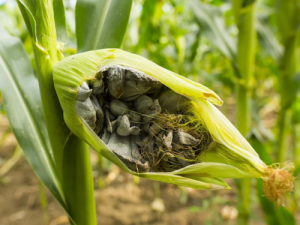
(143, 122)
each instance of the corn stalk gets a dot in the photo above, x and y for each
(288, 24)
(60, 159)
(209, 18)
(245, 19)
(46, 43)
(68, 159)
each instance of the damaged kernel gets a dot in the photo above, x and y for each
(151, 128)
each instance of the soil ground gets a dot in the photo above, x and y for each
(123, 199)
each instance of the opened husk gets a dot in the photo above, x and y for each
(154, 123)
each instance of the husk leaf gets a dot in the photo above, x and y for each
(229, 155)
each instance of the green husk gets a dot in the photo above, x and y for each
(229, 155)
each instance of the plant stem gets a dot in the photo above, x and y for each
(284, 121)
(43, 202)
(4, 135)
(101, 182)
(288, 21)
(70, 155)
(243, 107)
(136, 180)
(245, 19)
(297, 146)
(288, 69)
(78, 183)
(11, 162)
(243, 125)
(45, 52)
(297, 162)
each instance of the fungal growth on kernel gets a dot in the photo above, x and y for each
(146, 124)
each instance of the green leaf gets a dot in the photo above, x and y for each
(288, 19)
(60, 21)
(291, 90)
(273, 214)
(213, 27)
(101, 23)
(46, 55)
(27, 8)
(268, 40)
(194, 47)
(22, 102)
(145, 31)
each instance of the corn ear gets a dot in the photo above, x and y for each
(228, 156)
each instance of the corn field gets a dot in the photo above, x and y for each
(149, 112)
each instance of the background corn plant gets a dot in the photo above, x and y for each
(240, 48)
(60, 159)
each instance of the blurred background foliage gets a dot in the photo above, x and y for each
(199, 40)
